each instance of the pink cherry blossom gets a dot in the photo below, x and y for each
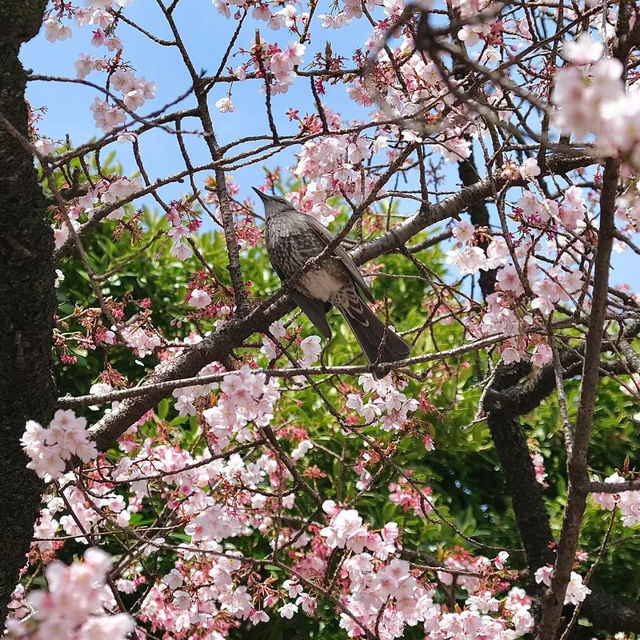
(542, 355)
(67, 436)
(106, 116)
(538, 466)
(199, 299)
(463, 231)
(529, 169)
(224, 105)
(583, 50)
(85, 64)
(288, 610)
(55, 30)
(509, 280)
(74, 605)
(311, 349)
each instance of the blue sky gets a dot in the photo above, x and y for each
(206, 34)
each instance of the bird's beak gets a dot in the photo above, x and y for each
(263, 196)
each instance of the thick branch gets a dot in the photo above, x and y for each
(517, 467)
(454, 205)
(27, 300)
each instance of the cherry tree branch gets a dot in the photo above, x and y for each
(577, 461)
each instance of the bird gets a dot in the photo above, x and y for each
(292, 238)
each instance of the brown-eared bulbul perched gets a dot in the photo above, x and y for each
(293, 238)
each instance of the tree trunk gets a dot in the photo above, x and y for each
(27, 300)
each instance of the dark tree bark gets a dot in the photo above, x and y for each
(511, 445)
(510, 396)
(27, 299)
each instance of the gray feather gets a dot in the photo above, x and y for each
(326, 236)
(379, 343)
(315, 310)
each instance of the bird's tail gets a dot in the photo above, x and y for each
(379, 343)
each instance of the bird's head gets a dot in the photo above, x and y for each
(273, 205)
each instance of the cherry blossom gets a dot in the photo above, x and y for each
(538, 466)
(199, 299)
(627, 501)
(45, 146)
(576, 590)
(135, 91)
(245, 397)
(583, 50)
(388, 406)
(529, 169)
(85, 64)
(56, 30)
(107, 117)
(542, 355)
(140, 340)
(463, 231)
(76, 604)
(49, 448)
(224, 105)
(311, 349)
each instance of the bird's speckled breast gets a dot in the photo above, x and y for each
(290, 244)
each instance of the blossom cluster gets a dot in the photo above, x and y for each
(346, 531)
(106, 116)
(310, 347)
(50, 448)
(244, 397)
(286, 16)
(102, 504)
(404, 493)
(591, 100)
(141, 341)
(576, 592)
(74, 606)
(84, 512)
(383, 592)
(538, 467)
(549, 285)
(135, 90)
(627, 501)
(199, 597)
(282, 65)
(104, 193)
(183, 226)
(279, 64)
(97, 15)
(330, 165)
(386, 405)
(413, 87)
(77, 512)
(525, 286)
(203, 591)
(351, 9)
(186, 397)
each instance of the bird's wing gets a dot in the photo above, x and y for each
(326, 236)
(315, 310)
